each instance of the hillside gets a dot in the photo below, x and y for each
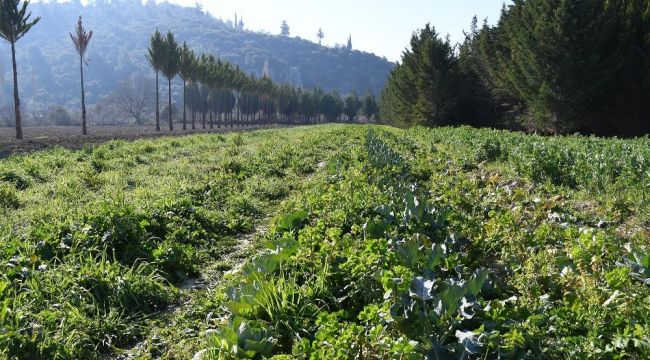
(48, 67)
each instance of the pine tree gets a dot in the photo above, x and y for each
(320, 35)
(14, 24)
(81, 39)
(349, 46)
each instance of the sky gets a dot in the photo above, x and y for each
(383, 27)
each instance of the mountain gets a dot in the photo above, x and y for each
(48, 67)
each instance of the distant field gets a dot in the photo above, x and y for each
(44, 137)
(328, 242)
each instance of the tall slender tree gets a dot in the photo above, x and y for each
(284, 28)
(81, 39)
(14, 24)
(156, 58)
(320, 35)
(186, 68)
(170, 69)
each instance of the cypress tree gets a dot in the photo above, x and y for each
(559, 59)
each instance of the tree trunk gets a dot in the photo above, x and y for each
(157, 103)
(19, 125)
(184, 108)
(84, 131)
(171, 125)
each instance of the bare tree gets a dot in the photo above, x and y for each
(6, 116)
(39, 117)
(133, 98)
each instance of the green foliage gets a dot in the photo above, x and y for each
(497, 260)
(15, 20)
(109, 234)
(8, 196)
(421, 90)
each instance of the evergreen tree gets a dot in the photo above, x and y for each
(186, 70)
(320, 35)
(284, 28)
(349, 46)
(423, 88)
(351, 106)
(81, 39)
(169, 68)
(560, 59)
(478, 106)
(369, 105)
(156, 57)
(14, 24)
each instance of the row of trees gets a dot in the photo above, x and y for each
(550, 66)
(210, 86)
(215, 91)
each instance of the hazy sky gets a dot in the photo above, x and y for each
(380, 26)
(383, 27)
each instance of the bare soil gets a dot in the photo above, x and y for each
(39, 138)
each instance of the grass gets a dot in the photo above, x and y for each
(95, 241)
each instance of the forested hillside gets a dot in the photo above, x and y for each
(48, 67)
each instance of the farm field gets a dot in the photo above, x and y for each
(46, 137)
(328, 242)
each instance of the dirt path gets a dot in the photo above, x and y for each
(195, 288)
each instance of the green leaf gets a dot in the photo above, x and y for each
(239, 308)
(421, 288)
(292, 221)
(450, 298)
(475, 284)
(409, 253)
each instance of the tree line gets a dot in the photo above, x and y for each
(215, 92)
(549, 66)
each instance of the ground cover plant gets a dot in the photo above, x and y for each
(96, 241)
(365, 242)
(454, 243)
